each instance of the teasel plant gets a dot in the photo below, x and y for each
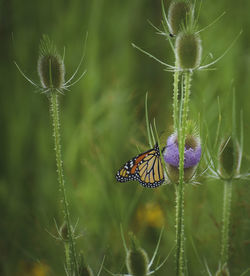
(187, 50)
(51, 72)
(180, 28)
(137, 260)
(170, 157)
(224, 163)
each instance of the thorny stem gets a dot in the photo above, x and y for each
(67, 256)
(226, 221)
(180, 188)
(175, 99)
(73, 267)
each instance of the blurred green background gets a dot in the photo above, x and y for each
(102, 123)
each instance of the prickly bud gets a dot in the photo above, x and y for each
(137, 260)
(50, 66)
(177, 15)
(84, 270)
(228, 158)
(188, 51)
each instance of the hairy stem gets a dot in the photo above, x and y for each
(67, 256)
(226, 221)
(180, 189)
(72, 266)
(175, 99)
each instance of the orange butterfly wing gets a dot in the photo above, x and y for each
(145, 168)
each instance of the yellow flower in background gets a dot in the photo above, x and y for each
(33, 269)
(150, 215)
(40, 269)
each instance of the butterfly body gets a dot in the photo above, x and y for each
(145, 168)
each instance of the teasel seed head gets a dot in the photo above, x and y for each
(84, 269)
(177, 15)
(137, 259)
(188, 50)
(229, 158)
(50, 66)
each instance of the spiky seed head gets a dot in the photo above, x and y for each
(136, 259)
(50, 66)
(228, 158)
(188, 50)
(177, 15)
(137, 262)
(51, 72)
(84, 269)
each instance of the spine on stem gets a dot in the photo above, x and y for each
(175, 99)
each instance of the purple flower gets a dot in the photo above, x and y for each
(192, 152)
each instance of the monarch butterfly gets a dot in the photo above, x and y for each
(145, 168)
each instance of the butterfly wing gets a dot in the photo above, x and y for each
(145, 168)
(129, 170)
(150, 170)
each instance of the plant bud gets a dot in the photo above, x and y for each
(177, 15)
(84, 270)
(137, 260)
(228, 158)
(50, 66)
(192, 155)
(188, 51)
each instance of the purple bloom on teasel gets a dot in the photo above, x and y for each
(192, 152)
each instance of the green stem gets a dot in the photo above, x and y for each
(73, 266)
(175, 100)
(226, 221)
(67, 256)
(179, 228)
(180, 189)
